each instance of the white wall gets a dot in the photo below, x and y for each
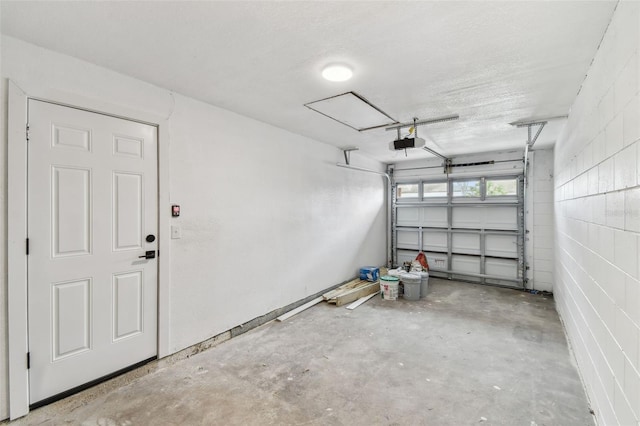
(540, 220)
(267, 218)
(597, 206)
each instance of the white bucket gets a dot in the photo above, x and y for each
(412, 284)
(424, 283)
(389, 287)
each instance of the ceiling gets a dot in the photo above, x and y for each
(493, 63)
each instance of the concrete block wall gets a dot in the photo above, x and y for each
(597, 233)
(540, 220)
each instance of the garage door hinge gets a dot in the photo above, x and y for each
(27, 133)
(27, 247)
(28, 360)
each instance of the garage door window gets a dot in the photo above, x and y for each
(502, 187)
(466, 188)
(436, 189)
(407, 191)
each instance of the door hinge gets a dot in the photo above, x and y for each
(28, 360)
(27, 133)
(27, 247)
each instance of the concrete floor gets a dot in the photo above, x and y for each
(466, 354)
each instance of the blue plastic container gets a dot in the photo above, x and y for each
(370, 273)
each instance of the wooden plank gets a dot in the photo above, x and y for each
(361, 300)
(356, 294)
(333, 296)
(300, 309)
(343, 288)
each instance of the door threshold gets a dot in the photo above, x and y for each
(88, 385)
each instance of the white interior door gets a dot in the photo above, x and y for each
(92, 209)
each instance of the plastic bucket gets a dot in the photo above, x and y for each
(424, 283)
(412, 284)
(389, 287)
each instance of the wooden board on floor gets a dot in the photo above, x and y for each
(364, 288)
(344, 288)
(361, 300)
(299, 309)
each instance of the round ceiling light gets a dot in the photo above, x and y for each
(337, 72)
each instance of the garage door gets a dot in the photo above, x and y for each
(470, 228)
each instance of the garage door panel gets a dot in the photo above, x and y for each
(434, 217)
(461, 263)
(501, 267)
(466, 243)
(501, 245)
(408, 216)
(434, 241)
(408, 239)
(468, 217)
(501, 217)
(437, 261)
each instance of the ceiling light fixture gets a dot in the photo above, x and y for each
(337, 72)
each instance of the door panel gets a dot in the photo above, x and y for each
(71, 211)
(434, 241)
(127, 211)
(465, 243)
(71, 318)
(92, 198)
(408, 239)
(501, 245)
(128, 299)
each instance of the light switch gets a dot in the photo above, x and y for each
(176, 232)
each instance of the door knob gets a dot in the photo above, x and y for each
(149, 254)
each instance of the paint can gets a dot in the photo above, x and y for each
(412, 284)
(389, 287)
(424, 283)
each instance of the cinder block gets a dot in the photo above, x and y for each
(606, 243)
(588, 155)
(627, 334)
(592, 181)
(580, 185)
(543, 266)
(592, 241)
(543, 219)
(599, 209)
(626, 252)
(599, 151)
(606, 176)
(614, 136)
(630, 121)
(632, 387)
(626, 85)
(614, 284)
(624, 413)
(615, 209)
(632, 299)
(625, 168)
(632, 210)
(638, 161)
(542, 254)
(606, 107)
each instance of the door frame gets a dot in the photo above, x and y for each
(17, 303)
